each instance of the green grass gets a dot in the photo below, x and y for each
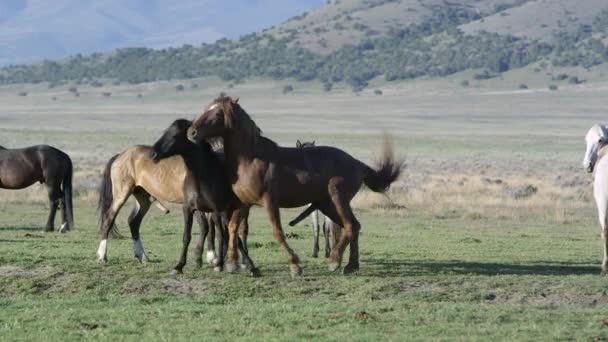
(421, 278)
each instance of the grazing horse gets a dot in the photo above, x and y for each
(596, 162)
(205, 186)
(20, 168)
(133, 172)
(331, 230)
(265, 174)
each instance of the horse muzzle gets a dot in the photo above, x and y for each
(192, 134)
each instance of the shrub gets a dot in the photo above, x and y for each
(523, 86)
(194, 86)
(574, 80)
(96, 84)
(23, 93)
(552, 87)
(561, 77)
(179, 87)
(106, 94)
(378, 92)
(327, 86)
(465, 83)
(73, 89)
(287, 89)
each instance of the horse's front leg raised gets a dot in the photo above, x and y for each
(188, 217)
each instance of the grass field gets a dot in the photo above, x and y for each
(456, 253)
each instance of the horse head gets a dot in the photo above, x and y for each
(596, 138)
(173, 141)
(222, 116)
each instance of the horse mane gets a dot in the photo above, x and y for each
(236, 117)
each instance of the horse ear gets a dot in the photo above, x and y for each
(236, 101)
(603, 131)
(313, 143)
(298, 143)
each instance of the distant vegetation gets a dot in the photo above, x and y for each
(436, 47)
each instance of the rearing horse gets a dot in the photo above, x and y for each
(265, 174)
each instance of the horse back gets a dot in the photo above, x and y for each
(20, 168)
(163, 179)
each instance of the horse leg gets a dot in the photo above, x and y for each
(602, 208)
(327, 226)
(107, 220)
(350, 232)
(142, 205)
(187, 236)
(204, 226)
(54, 193)
(211, 255)
(244, 229)
(277, 233)
(315, 233)
(235, 217)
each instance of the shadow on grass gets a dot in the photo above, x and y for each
(21, 229)
(398, 268)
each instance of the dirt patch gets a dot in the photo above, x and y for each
(547, 298)
(187, 287)
(15, 271)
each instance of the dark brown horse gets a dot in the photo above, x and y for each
(205, 187)
(263, 173)
(20, 168)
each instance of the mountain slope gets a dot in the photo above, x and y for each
(394, 39)
(32, 30)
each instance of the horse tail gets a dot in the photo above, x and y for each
(106, 197)
(387, 168)
(67, 194)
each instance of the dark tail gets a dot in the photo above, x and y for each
(106, 197)
(67, 195)
(387, 169)
(303, 215)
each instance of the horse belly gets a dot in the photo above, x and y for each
(16, 179)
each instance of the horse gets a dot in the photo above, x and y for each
(264, 174)
(134, 173)
(595, 162)
(331, 230)
(20, 168)
(205, 186)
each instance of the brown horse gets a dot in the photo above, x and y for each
(20, 168)
(263, 173)
(133, 172)
(205, 186)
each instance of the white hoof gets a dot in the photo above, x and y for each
(64, 228)
(101, 251)
(211, 258)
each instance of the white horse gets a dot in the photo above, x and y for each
(597, 140)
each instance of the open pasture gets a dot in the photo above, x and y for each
(464, 249)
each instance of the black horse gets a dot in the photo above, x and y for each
(20, 168)
(206, 187)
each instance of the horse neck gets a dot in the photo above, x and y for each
(601, 152)
(198, 160)
(237, 147)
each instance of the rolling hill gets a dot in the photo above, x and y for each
(355, 41)
(31, 30)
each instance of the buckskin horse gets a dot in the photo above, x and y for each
(134, 173)
(265, 174)
(20, 168)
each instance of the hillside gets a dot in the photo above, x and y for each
(31, 30)
(358, 40)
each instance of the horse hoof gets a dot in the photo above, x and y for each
(315, 255)
(231, 268)
(174, 273)
(296, 271)
(198, 264)
(64, 228)
(256, 273)
(102, 261)
(144, 259)
(211, 258)
(604, 272)
(350, 268)
(217, 268)
(333, 266)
